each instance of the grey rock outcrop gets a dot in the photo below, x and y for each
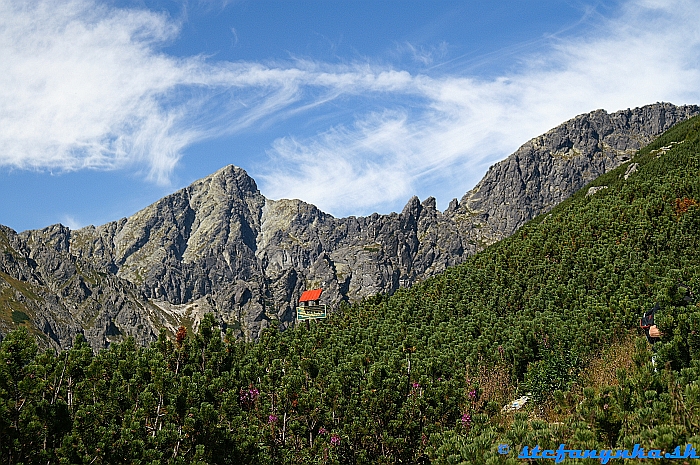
(551, 167)
(220, 246)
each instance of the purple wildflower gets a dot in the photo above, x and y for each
(249, 396)
(472, 394)
(466, 419)
(335, 440)
(272, 419)
(322, 431)
(415, 385)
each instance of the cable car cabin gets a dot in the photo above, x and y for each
(309, 308)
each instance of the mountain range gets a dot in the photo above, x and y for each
(220, 246)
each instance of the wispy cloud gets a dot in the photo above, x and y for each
(649, 52)
(80, 86)
(71, 222)
(425, 55)
(88, 86)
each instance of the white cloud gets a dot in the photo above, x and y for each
(71, 222)
(425, 55)
(86, 86)
(78, 84)
(648, 53)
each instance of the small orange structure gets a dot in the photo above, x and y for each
(309, 307)
(310, 297)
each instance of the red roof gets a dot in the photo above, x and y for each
(312, 294)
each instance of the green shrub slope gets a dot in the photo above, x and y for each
(418, 377)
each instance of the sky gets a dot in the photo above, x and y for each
(351, 105)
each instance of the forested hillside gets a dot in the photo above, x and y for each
(421, 376)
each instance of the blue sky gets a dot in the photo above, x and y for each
(354, 106)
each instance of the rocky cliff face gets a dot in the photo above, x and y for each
(551, 167)
(220, 246)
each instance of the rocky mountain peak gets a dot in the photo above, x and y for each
(549, 168)
(220, 246)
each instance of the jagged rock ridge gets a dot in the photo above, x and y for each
(219, 245)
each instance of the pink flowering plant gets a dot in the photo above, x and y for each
(248, 396)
